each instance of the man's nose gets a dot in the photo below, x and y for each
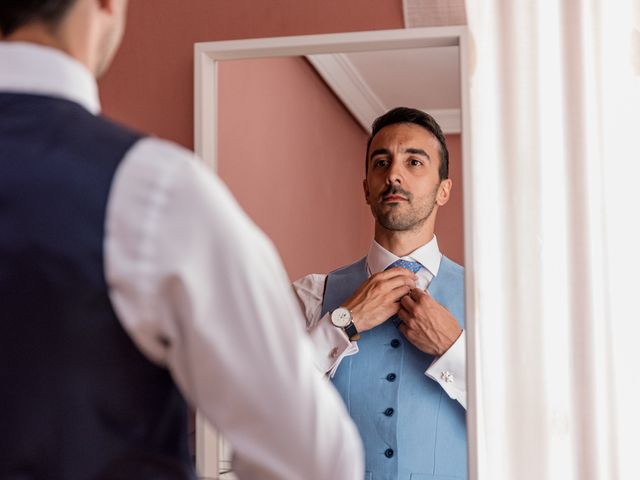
(394, 173)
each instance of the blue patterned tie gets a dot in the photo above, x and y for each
(411, 266)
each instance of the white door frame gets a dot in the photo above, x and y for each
(207, 56)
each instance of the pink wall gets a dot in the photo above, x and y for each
(293, 157)
(450, 223)
(150, 84)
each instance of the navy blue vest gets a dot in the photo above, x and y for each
(410, 428)
(79, 400)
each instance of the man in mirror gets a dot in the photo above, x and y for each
(388, 328)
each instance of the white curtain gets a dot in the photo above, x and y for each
(554, 208)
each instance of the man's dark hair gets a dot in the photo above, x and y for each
(418, 117)
(17, 13)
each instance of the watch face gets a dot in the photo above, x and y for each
(341, 317)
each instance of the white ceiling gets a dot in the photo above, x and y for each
(370, 83)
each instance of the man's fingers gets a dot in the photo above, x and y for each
(399, 292)
(416, 294)
(404, 315)
(405, 330)
(408, 302)
(394, 283)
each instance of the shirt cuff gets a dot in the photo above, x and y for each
(331, 345)
(449, 370)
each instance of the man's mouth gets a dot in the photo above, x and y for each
(393, 198)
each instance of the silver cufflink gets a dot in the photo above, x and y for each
(447, 377)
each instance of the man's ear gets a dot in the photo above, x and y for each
(444, 192)
(106, 5)
(365, 187)
(111, 6)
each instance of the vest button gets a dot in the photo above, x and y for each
(388, 412)
(391, 377)
(388, 453)
(395, 343)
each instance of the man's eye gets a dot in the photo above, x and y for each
(381, 163)
(414, 162)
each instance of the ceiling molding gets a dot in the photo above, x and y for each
(349, 86)
(365, 106)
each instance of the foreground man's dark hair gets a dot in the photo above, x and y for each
(18, 13)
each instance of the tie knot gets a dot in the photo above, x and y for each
(411, 266)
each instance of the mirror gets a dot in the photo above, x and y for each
(285, 123)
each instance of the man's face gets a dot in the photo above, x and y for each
(403, 186)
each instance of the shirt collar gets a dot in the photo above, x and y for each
(40, 70)
(428, 255)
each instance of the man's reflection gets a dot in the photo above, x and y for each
(388, 328)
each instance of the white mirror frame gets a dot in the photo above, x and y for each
(207, 56)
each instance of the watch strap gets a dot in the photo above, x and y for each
(352, 331)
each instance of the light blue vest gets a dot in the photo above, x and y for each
(410, 427)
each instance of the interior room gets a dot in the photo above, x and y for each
(543, 430)
(203, 210)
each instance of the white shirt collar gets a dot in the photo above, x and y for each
(35, 69)
(428, 255)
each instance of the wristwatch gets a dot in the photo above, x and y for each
(341, 318)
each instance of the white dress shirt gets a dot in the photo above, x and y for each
(202, 292)
(332, 344)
